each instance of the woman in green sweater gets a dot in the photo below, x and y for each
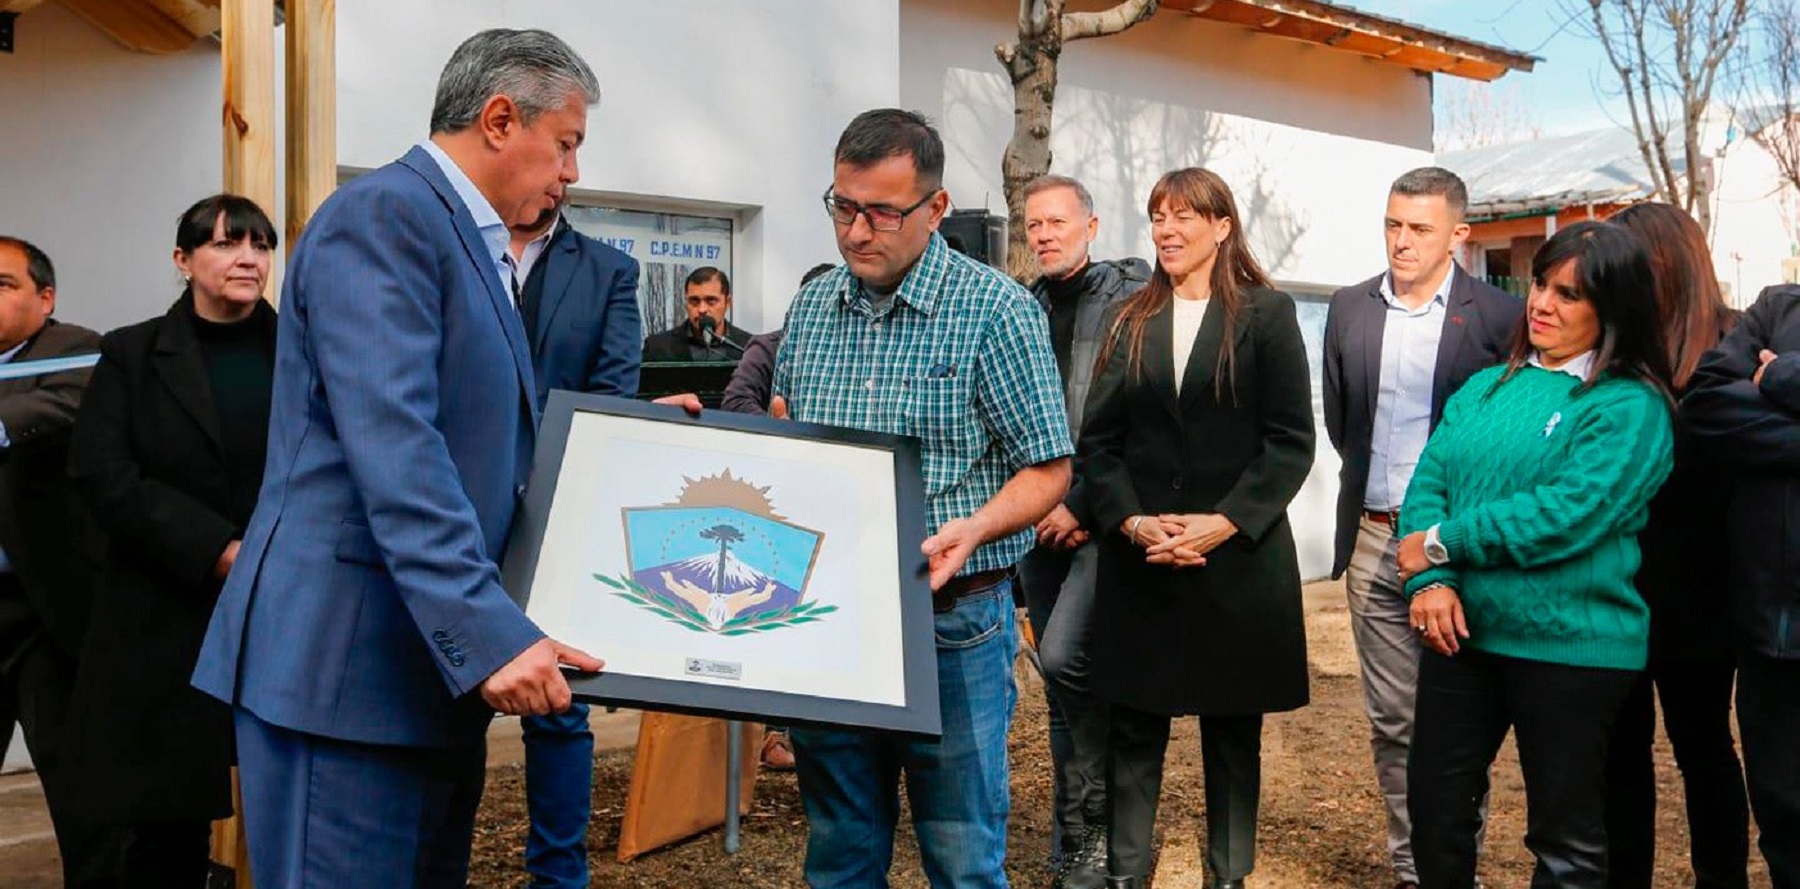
(1519, 549)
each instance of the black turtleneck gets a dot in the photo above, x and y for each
(240, 368)
(1064, 293)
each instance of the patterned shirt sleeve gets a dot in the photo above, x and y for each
(1019, 389)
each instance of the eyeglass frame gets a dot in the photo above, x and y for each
(832, 201)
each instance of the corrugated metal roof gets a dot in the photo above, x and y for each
(1600, 166)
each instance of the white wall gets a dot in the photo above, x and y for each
(1756, 221)
(736, 106)
(1308, 137)
(104, 147)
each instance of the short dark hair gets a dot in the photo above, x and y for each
(875, 136)
(814, 272)
(37, 262)
(1434, 182)
(1612, 272)
(705, 274)
(243, 218)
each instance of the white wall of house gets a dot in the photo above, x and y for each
(1308, 137)
(104, 147)
(711, 106)
(1756, 221)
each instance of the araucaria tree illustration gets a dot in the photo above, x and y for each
(726, 535)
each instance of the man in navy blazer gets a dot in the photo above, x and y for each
(363, 637)
(1396, 347)
(579, 302)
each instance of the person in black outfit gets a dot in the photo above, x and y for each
(1744, 401)
(706, 335)
(1057, 576)
(1198, 433)
(169, 452)
(1692, 664)
(46, 585)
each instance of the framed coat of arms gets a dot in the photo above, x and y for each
(730, 565)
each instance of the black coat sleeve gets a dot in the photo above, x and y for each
(1107, 488)
(1284, 397)
(748, 391)
(146, 520)
(1729, 411)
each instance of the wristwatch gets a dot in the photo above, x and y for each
(1435, 553)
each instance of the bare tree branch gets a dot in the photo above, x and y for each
(1082, 25)
(1773, 79)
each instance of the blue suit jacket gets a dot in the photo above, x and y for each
(589, 336)
(365, 603)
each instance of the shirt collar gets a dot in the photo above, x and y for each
(1577, 367)
(13, 352)
(1441, 297)
(920, 287)
(487, 220)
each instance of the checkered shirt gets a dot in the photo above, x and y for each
(960, 359)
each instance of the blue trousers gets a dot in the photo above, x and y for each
(957, 785)
(320, 813)
(559, 781)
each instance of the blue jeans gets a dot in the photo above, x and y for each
(559, 780)
(957, 785)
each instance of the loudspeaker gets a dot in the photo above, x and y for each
(977, 234)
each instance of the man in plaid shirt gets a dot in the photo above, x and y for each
(910, 337)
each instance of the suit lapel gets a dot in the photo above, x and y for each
(175, 358)
(1203, 362)
(1156, 358)
(1460, 315)
(1371, 326)
(479, 257)
(557, 275)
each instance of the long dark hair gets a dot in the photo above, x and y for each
(1689, 307)
(1234, 270)
(1612, 272)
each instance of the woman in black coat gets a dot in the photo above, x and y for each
(169, 450)
(1198, 608)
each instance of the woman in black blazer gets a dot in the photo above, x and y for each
(169, 450)
(1199, 432)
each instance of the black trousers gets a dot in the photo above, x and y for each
(1231, 764)
(1562, 718)
(1059, 597)
(1696, 708)
(170, 854)
(1768, 709)
(40, 679)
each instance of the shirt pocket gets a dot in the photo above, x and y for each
(941, 414)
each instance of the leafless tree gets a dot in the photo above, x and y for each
(1476, 115)
(1044, 27)
(1668, 55)
(1773, 85)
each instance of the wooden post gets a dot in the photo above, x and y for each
(311, 110)
(248, 55)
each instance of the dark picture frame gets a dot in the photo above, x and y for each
(530, 572)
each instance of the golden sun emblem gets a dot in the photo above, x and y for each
(724, 490)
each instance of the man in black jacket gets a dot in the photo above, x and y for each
(706, 335)
(1396, 347)
(45, 587)
(1745, 402)
(1058, 576)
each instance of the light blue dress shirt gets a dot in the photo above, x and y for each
(1409, 350)
(493, 230)
(5, 442)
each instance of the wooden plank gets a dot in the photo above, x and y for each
(311, 109)
(247, 56)
(134, 24)
(19, 6)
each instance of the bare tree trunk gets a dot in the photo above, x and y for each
(1030, 63)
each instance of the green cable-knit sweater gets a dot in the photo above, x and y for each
(1538, 490)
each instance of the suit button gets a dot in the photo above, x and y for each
(439, 635)
(1176, 484)
(519, 491)
(456, 660)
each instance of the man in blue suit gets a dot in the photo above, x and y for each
(579, 302)
(363, 638)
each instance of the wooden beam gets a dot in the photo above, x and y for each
(247, 55)
(136, 25)
(311, 109)
(18, 6)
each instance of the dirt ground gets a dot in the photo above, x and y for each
(1321, 822)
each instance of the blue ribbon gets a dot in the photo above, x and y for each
(20, 369)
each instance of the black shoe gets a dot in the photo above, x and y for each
(1084, 865)
(1124, 883)
(1227, 884)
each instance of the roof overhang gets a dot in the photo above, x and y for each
(149, 26)
(1378, 37)
(1549, 205)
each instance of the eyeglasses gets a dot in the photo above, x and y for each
(881, 219)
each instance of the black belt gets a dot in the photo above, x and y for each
(959, 588)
